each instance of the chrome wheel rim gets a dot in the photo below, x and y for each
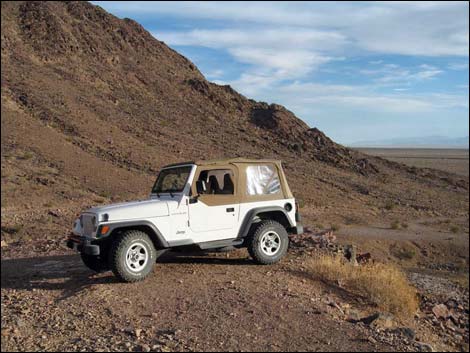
(137, 257)
(270, 243)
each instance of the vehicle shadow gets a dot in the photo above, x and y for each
(64, 273)
(67, 273)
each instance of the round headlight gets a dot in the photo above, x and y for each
(288, 207)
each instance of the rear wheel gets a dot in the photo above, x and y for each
(95, 263)
(268, 243)
(132, 256)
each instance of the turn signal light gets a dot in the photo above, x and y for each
(104, 230)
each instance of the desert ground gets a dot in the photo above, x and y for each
(447, 159)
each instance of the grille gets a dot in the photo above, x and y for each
(88, 224)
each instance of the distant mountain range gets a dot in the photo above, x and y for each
(423, 142)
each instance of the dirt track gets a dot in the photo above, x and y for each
(189, 303)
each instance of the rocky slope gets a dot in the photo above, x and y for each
(93, 106)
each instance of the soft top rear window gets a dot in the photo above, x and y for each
(262, 180)
(171, 180)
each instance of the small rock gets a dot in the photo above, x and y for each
(354, 316)
(408, 332)
(380, 321)
(144, 348)
(424, 347)
(441, 311)
(138, 332)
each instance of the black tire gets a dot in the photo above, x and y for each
(95, 263)
(255, 245)
(119, 263)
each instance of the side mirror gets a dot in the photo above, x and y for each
(201, 187)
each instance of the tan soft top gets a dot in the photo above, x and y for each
(226, 161)
(241, 164)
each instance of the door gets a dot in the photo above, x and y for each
(213, 215)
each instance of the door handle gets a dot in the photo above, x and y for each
(230, 209)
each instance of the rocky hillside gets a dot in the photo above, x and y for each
(93, 106)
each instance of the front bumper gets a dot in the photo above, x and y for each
(83, 245)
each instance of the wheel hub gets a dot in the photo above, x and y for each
(137, 257)
(270, 243)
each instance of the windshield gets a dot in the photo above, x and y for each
(171, 180)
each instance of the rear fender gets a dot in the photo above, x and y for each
(255, 215)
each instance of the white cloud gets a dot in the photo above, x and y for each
(457, 66)
(214, 74)
(275, 38)
(404, 28)
(287, 52)
(395, 74)
(310, 98)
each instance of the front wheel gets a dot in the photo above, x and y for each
(268, 243)
(132, 256)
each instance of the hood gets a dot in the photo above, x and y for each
(134, 209)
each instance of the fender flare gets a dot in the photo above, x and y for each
(248, 220)
(157, 236)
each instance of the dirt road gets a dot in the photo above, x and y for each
(215, 302)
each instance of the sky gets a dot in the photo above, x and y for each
(356, 70)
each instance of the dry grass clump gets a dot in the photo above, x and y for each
(335, 227)
(395, 225)
(13, 229)
(382, 284)
(404, 251)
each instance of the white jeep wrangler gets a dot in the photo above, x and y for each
(207, 205)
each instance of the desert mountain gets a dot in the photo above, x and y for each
(93, 106)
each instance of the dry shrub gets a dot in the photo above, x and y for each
(335, 227)
(395, 225)
(403, 251)
(382, 284)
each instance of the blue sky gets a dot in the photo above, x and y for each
(358, 71)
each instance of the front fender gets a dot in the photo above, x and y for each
(146, 226)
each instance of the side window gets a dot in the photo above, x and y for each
(218, 181)
(262, 180)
